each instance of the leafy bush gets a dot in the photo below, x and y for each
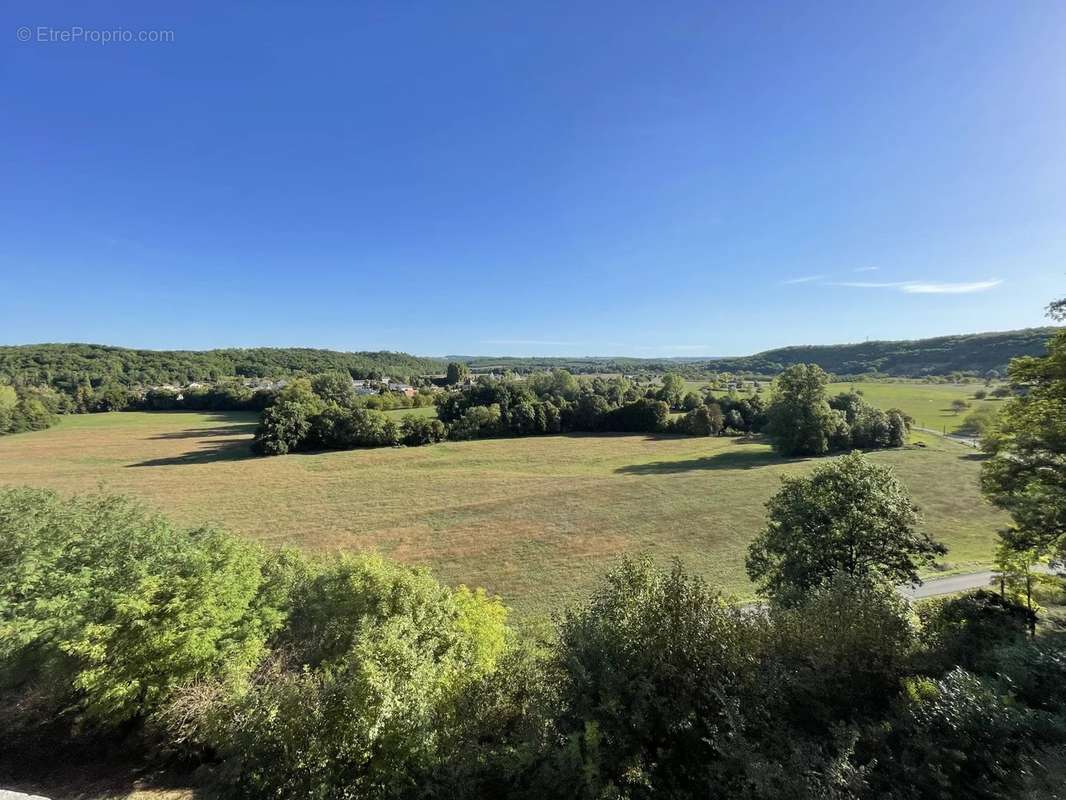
(361, 689)
(651, 671)
(27, 409)
(113, 608)
(477, 422)
(701, 421)
(417, 431)
(640, 416)
(840, 653)
(966, 631)
(958, 738)
(1036, 673)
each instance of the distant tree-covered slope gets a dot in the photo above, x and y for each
(976, 353)
(66, 365)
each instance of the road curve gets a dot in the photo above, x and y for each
(958, 583)
(949, 585)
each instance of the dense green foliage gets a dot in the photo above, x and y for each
(116, 608)
(848, 517)
(354, 677)
(1026, 474)
(326, 414)
(25, 408)
(556, 401)
(802, 421)
(299, 677)
(66, 366)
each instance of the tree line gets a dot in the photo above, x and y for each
(800, 420)
(65, 367)
(324, 412)
(286, 676)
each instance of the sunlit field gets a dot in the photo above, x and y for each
(535, 520)
(928, 403)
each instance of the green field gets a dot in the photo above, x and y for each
(399, 413)
(928, 403)
(535, 520)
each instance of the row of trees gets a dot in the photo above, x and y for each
(800, 420)
(354, 677)
(25, 408)
(324, 413)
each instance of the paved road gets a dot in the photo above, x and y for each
(969, 441)
(957, 583)
(949, 585)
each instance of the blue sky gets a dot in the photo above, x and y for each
(679, 179)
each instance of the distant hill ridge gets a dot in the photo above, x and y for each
(974, 352)
(65, 365)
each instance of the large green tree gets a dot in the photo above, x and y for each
(1026, 473)
(801, 423)
(456, 372)
(849, 517)
(672, 389)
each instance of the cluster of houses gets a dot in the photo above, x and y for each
(365, 387)
(361, 387)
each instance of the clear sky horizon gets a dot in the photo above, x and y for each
(529, 178)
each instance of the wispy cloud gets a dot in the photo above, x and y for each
(922, 287)
(950, 288)
(869, 284)
(866, 269)
(804, 279)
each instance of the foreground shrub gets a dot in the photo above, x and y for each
(360, 689)
(966, 631)
(665, 690)
(840, 654)
(112, 608)
(652, 668)
(958, 738)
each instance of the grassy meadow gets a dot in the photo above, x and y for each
(423, 411)
(535, 520)
(928, 403)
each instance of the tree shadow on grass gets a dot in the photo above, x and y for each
(732, 459)
(204, 433)
(224, 443)
(216, 450)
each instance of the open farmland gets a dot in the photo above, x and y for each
(928, 403)
(533, 519)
